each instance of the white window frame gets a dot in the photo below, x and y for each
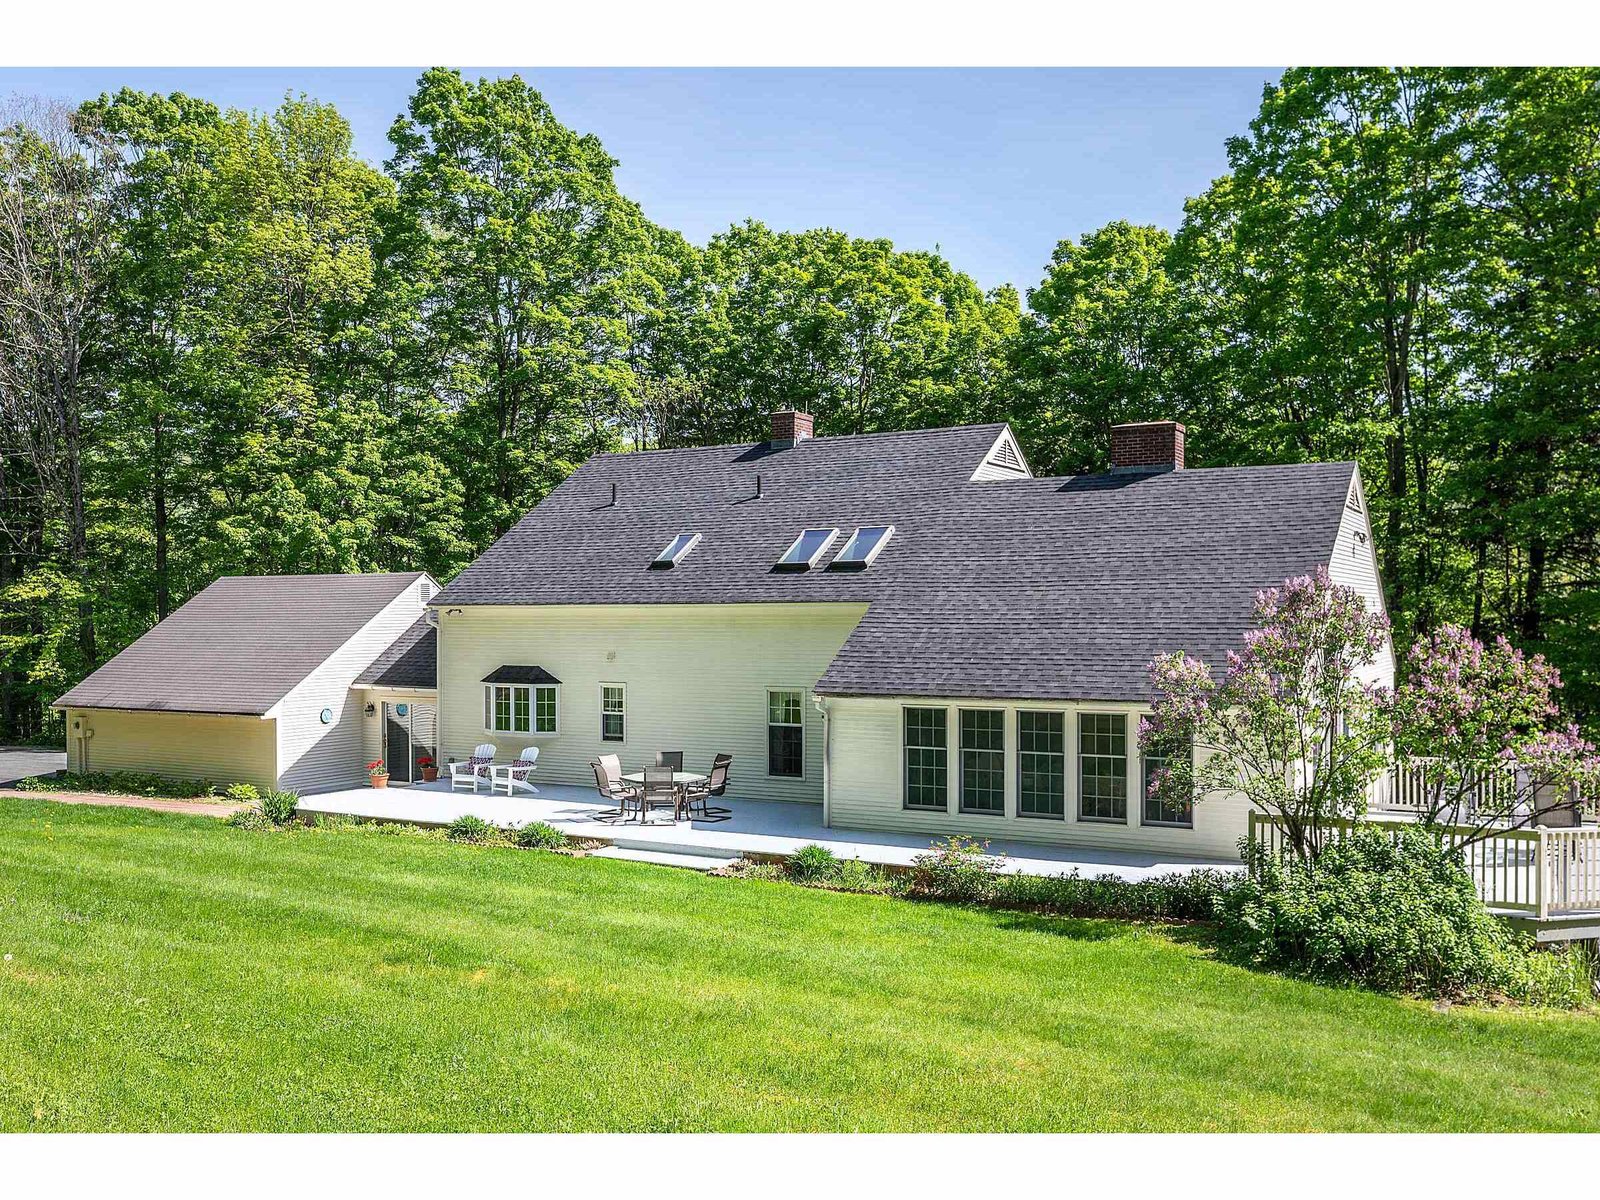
(861, 564)
(621, 712)
(664, 560)
(767, 725)
(533, 690)
(1068, 729)
(1144, 784)
(905, 758)
(784, 562)
(961, 764)
(1130, 764)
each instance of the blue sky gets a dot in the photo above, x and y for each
(991, 166)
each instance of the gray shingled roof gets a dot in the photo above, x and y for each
(241, 645)
(1031, 588)
(411, 661)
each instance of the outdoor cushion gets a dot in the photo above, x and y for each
(520, 768)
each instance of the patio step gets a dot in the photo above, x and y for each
(667, 845)
(664, 858)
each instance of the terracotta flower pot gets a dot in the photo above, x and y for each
(380, 780)
(429, 774)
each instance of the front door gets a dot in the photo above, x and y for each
(409, 733)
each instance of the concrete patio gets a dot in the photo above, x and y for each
(762, 827)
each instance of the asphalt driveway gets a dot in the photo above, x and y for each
(18, 763)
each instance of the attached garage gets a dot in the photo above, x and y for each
(213, 746)
(254, 680)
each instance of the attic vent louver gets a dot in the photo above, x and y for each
(1353, 501)
(1005, 454)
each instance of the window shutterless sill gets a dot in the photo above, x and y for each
(1060, 816)
(1103, 820)
(1168, 824)
(926, 808)
(981, 812)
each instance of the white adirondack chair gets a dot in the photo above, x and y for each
(475, 768)
(514, 775)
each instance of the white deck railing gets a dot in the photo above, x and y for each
(1409, 787)
(1540, 871)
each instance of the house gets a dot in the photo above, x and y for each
(910, 630)
(907, 628)
(254, 680)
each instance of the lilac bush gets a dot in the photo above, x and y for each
(1467, 715)
(1290, 724)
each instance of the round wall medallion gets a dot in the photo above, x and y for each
(327, 716)
(401, 710)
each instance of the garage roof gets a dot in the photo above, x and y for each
(241, 645)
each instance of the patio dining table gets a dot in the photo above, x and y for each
(680, 780)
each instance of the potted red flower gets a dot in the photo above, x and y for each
(429, 771)
(378, 773)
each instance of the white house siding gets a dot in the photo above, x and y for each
(1354, 563)
(315, 757)
(866, 787)
(221, 749)
(696, 679)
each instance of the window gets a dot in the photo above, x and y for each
(1042, 764)
(804, 551)
(983, 760)
(516, 708)
(1157, 812)
(927, 765)
(612, 712)
(1102, 766)
(786, 734)
(863, 546)
(676, 549)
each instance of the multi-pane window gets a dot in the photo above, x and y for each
(612, 712)
(1042, 764)
(786, 733)
(983, 760)
(516, 708)
(544, 709)
(1163, 811)
(927, 759)
(1102, 766)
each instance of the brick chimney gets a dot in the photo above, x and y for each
(1147, 446)
(789, 427)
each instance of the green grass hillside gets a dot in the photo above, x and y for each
(166, 972)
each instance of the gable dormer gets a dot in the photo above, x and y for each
(1004, 460)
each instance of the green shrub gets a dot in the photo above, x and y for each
(279, 807)
(854, 875)
(241, 793)
(812, 864)
(469, 828)
(536, 835)
(1176, 896)
(958, 868)
(249, 818)
(119, 783)
(1391, 910)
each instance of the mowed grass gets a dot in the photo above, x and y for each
(172, 973)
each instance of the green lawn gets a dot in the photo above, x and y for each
(170, 972)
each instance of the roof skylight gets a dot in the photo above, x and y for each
(863, 546)
(804, 551)
(675, 550)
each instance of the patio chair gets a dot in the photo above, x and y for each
(515, 774)
(660, 789)
(475, 768)
(670, 758)
(716, 784)
(613, 789)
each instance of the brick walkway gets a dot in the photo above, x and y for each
(195, 808)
